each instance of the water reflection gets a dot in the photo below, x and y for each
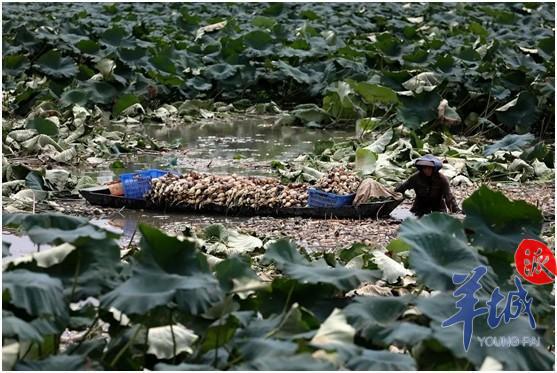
(242, 146)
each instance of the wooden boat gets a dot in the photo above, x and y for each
(101, 196)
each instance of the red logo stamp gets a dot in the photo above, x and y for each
(535, 262)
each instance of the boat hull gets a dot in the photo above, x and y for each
(100, 196)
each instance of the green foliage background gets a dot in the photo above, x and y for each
(494, 63)
(202, 302)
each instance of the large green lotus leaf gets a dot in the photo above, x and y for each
(418, 109)
(149, 288)
(439, 249)
(294, 324)
(179, 255)
(293, 72)
(273, 10)
(496, 223)
(366, 125)
(446, 64)
(258, 39)
(379, 145)
(468, 54)
(365, 161)
(520, 113)
(536, 152)
(115, 37)
(441, 307)
(370, 311)
(133, 340)
(366, 359)
(263, 22)
(353, 357)
(53, 64)
(478, 29)
(167, 341)
(94, 253)
(133, 56)
(374, 93)
(273, 354)
(284, 254)
(235, 275)
(547, 47)
(46, 235)
(50, 220)
(389, 44)
(376, 318)
(297, 323)
(124, 102)
(511, 142)
(220, 332)
(254, 348)
(96, 261)
(419, 56)
(220, 71)
(88, 46)
(311, 113)
(199, 84)
(163, 63)
(13, 326)
(183, 367)
(167, 269)
(399, 333)
(100, 92)
(56, 363)
(75, 96)
(14, 65)
(38, 294)
(298, 362)
(340, 104)
(231, 49)
(43, 126)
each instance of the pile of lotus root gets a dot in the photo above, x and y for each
(197, 189)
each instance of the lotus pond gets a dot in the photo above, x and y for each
(93, 90)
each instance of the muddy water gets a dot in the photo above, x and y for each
(245, 145)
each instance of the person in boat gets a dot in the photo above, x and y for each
(433, 192)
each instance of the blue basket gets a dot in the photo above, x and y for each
(319, 198)
(137, 184)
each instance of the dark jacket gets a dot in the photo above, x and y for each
(432, 193)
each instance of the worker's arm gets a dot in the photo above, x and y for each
(450, 200)
(408, 184)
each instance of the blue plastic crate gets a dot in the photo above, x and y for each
(137, 184)
(319, 198)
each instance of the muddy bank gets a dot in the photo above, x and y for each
(314, 234)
